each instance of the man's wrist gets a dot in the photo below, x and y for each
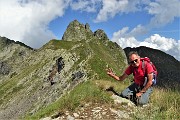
(142, 91)
(113, 75)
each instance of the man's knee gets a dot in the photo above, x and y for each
(142, 101)
(123, 94)
(127, 94)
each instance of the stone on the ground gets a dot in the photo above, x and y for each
(120, 100)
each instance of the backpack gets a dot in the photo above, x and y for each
(144, 60)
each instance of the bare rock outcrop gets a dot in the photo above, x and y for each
(77, 32)
(100, 34)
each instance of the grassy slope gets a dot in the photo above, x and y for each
(102, 57)
(165, 103)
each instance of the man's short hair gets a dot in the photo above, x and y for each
(132, 52)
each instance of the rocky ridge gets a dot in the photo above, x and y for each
(36, 79)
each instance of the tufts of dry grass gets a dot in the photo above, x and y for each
(168, 103)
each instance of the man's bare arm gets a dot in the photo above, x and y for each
(149, 83)
(111, 74)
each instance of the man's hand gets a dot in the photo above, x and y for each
(139, 94)
(110, 72)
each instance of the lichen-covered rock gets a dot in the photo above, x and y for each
(4, 68)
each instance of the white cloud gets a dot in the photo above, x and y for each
(27, 20)
(139, 30)
(167, 45)
(163, 11)
(85, 5)
(124, 32)
(112, 7)
(120, 33)
(127, 42)
(155, 41)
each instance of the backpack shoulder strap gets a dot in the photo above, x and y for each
(143, 66)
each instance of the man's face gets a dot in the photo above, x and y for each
(134, 60)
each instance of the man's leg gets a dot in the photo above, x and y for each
(145, 97)
(130, 92)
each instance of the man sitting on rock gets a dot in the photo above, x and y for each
(138, 92)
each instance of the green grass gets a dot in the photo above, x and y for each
(104, 57)
(59, 44)
(164, 105)
(82, 93)
(168, 102)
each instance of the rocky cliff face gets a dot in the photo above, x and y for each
(168, 67)
(33, 79)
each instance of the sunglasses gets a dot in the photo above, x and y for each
(134, 61)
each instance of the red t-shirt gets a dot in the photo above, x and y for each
(138, 73)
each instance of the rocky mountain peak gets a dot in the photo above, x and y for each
(77, 32)
(100, 34)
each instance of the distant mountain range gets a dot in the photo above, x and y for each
(81, 55)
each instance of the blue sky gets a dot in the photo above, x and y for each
(110, 26)
(130, 23)
(171, 30)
